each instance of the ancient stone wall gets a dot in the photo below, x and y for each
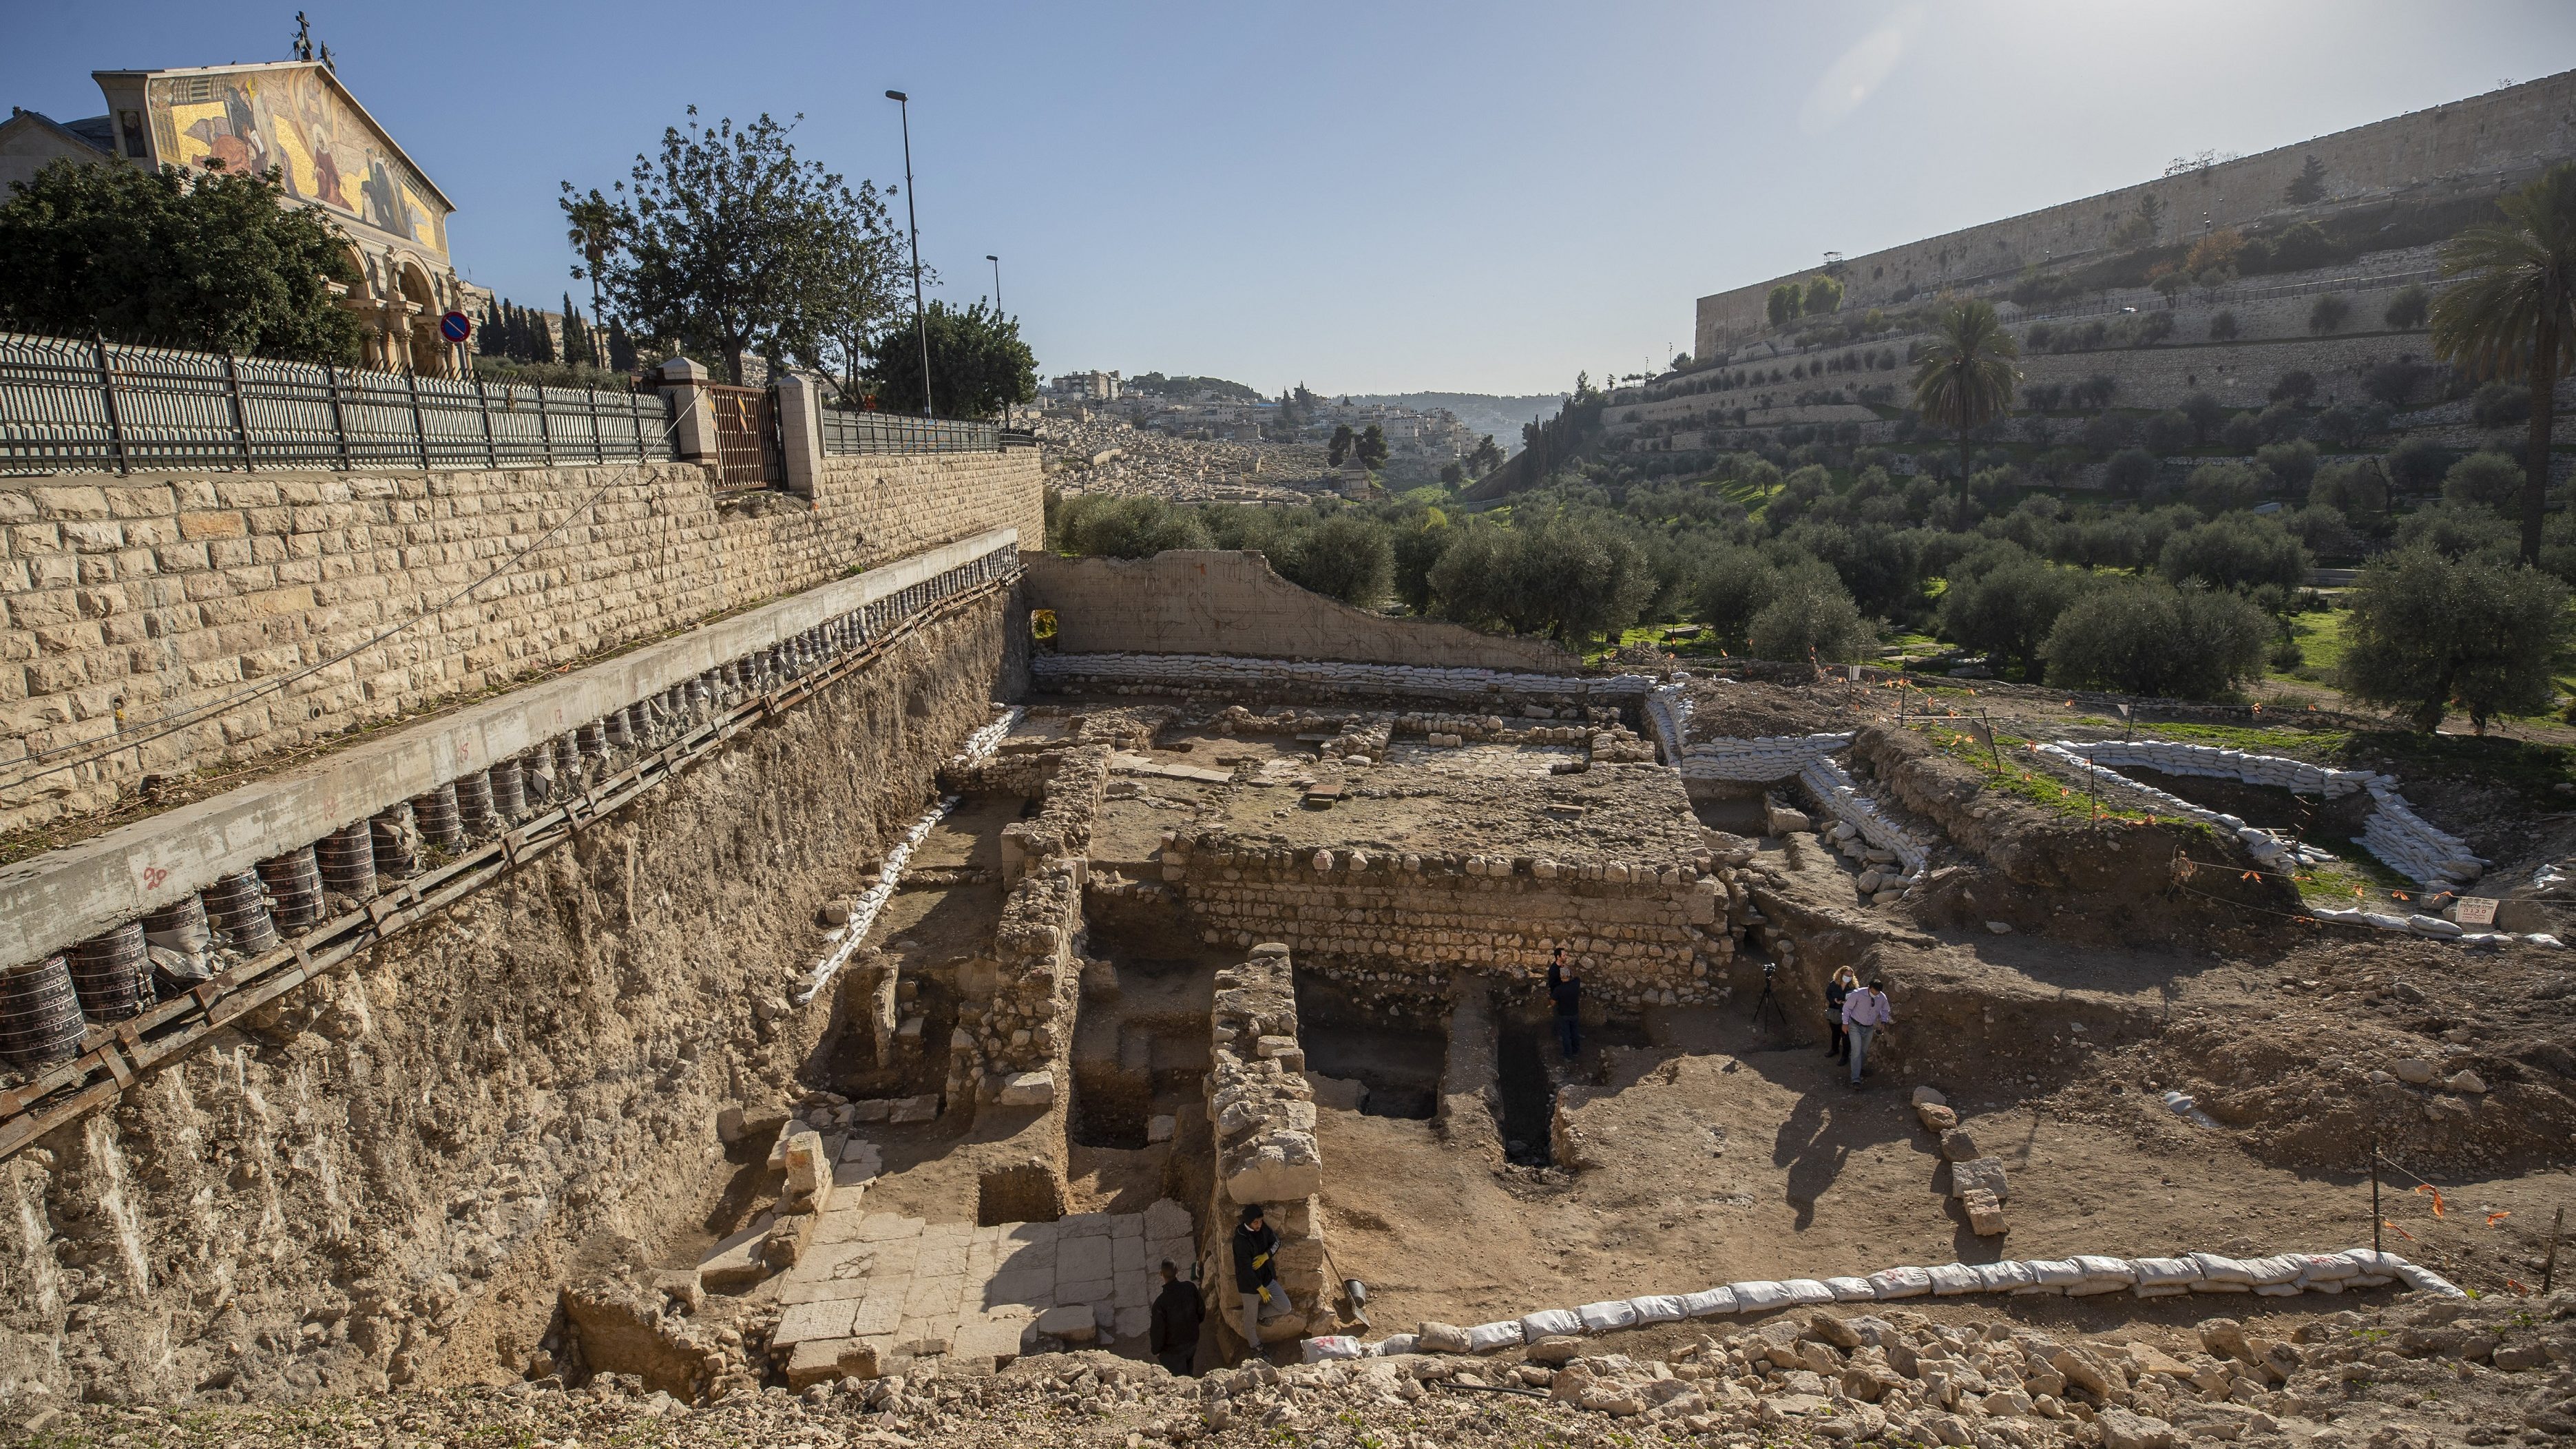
(2493, 137)
(1263, 1114)
(1646, 930)
(1215, 601)
(385, 1176)
(179, 601)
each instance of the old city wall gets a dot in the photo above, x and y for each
(2512, 130)
(136, 604)
(385, 1176)
(1655, 932)
(1216, 601)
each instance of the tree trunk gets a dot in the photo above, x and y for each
(1963, 471)
(2544, 399)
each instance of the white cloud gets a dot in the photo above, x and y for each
(1857, 73)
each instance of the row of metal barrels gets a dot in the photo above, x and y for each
(117, 975)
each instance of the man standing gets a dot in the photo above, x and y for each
(1173, 1333)
(1864, 1012)
(1256, 1275)
(1565, 989)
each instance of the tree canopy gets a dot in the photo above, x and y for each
(2511, 316)
(1964, 379)
(977, 363)
(207, 260)
(2430, 634)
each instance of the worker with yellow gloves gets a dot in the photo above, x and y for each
(1256, 1274)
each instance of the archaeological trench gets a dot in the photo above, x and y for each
(762, 968)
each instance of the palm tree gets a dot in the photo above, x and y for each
(1965, 379)
(593, 233)
(2513, 313)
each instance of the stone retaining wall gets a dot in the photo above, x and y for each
(1264, 1118)
(179, 601)
(1643, 931)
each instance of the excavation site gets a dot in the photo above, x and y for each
(869, 1015)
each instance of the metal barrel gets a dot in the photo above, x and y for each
(348, 859)
(639, 724)
(613, 734)
(179, 926)
(40, 1015)
(593, 740)
(509, 791)
(239, 916)
(441, 825)
(111, 974)
(474, 805)
(294, 882)
(389, 834)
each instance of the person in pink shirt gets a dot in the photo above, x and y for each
(1864, 1012)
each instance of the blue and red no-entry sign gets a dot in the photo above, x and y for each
(455, 326)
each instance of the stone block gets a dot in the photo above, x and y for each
(736, 1264)
(1027, 1089)
(682, 1286)
(1071, 1322)
(826, 1318)
(1080, 1260)
(879, 1311)
(1958, 1146)
(1160, 1127)
(1167, 1219)
(1985, 1173)
(923, 1108)
(1985, 1214)
(991, 1341)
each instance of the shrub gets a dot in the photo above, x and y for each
(2345, 424)
(2240, 435)
(1345, 557)
(1732, 586)
(2216, 488)
(2325, 531)
(2206, 412)
(2500, 404)
(2106, 433)
(1812, 618)
(2328, 314)
(2429, 634)
(2094, 391)
(2222, 327)
(2456, 531)
(2292, 465)
(2044, 397)
(1108, 527)
(2394, 382)
(2409, 308)
(2296, 385)
(2170, 432)
(2145, 636)
(2278, 422)
(2484, 479)
(2417, 464)
(2129, 472)
(2358, 491)
(2237, 551)
(2008, 608)
(2038, 337)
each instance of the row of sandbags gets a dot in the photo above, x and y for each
(2217, 763)
(2269, 847)
(2279, 1276)
(1205, 671)
(1841, 795)
(1759, 761)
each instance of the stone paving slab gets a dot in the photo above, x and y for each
(898, 1286)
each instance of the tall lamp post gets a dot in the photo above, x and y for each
(997, 284)
(912, 223)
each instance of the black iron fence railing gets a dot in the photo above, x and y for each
(69, 406)
(846, 431)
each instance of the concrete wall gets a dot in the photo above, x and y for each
(2512, 131)
(1215, 601)
(152, 601)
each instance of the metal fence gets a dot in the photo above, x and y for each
(69, 406)
(845, 431)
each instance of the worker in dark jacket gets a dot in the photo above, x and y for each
(1256, 1274)
(1565, 990)
(1174, 1332)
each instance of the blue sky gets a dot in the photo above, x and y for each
(1475, 197)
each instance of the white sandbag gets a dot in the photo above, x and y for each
(2165, 1272)
(1709, 1303)
(1550, 1323)
(2274, 1271)
(1954, 1278)
(1850, 1290)
(2161, 1290)
(2277, 1290)
(1900, 1283)
(2425, 1280)
(2005, 1276)
(2092, 1286)
(1658, 1308)
(1604, 1317)
(1489, 1337)
(2316, 1268)
(2054, 1272)
(1759, 1296)
(2223, 1270)
(1394, 1344)
(1804, 1291)
(2100, 1269)
(1331, 1346)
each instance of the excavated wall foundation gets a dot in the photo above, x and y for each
(384, 1178)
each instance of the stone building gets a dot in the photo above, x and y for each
(297, 117)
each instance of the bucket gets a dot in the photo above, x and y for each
(294, 882)
(348, 859)
(239, 916)
(111, 974)
(40, 1018)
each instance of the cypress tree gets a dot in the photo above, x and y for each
(621, 348)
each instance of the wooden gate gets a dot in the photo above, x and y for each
(747, 450)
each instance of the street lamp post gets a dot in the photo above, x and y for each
(997, 284)
(912, 223)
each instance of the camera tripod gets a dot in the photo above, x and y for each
(1767, 1005)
